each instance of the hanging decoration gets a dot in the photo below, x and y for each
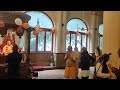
(67, 32)
(35, 32)
(87, 33)
(53, 30)
(18, 21)
(2, 24)
(7, 22)
(77, 33)
(25, 25)
(19, 31)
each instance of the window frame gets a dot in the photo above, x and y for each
(81, 33)
(44, 14)
(44, 30)
(36, 47)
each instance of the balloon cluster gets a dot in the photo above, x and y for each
(22, 26)
(19, 22)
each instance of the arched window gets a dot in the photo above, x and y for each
(44, 40)
(80, 40)
(101, 36)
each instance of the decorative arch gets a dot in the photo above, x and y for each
(44, 20)
(43, 40)
(73, 21)
(77, 36)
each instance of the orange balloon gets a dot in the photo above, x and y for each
(77, 33)
(67, 32)
(87, 33)
(25, 25)
(53, 31)
(35, 33)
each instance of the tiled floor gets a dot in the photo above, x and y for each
(58, 74)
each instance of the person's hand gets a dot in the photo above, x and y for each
(67, 55)
(114, 70)
(110, 66)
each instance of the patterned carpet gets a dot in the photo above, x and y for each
(59, 74)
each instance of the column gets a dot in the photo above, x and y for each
(58, 37)
(111, 35)
(92, 32)
(97, 31)
(65, 13)
(59, 32)
(28, 35)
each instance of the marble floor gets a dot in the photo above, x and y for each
(59, 74)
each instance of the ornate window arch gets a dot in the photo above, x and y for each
(44, 40)
(76, 25)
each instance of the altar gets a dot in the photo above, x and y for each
(12, 26)
(4, 68)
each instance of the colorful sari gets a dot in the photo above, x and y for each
(71, 67)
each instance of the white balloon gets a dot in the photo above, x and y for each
(18, 21)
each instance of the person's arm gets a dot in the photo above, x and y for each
(74, 56)
(116, 71)
(99, 72)
(4, 50)
(66, 56)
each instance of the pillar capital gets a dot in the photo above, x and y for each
(93, 12)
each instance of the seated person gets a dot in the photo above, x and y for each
(7, 49)
(102, 69)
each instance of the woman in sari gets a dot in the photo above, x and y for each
(77, 60)
(70, 69)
